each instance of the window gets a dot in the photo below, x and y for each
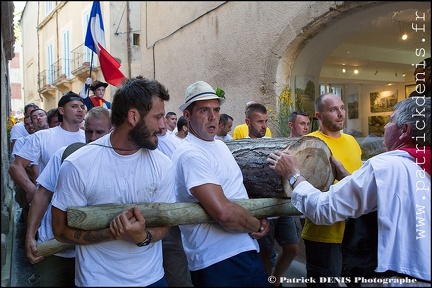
(48, 7)
(66, 53)
(50, 63)
(86, 51)
(136, 39)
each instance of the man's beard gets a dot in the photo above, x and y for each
(333, 126)
(140, 135)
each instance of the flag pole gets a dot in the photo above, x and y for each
(91, 66)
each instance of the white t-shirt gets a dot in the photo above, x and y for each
(48, 179)
(45, 143)
(19, 143)
(18, 130)
(95, 174)
(223, 138)
(200, 162)
(169, 144)
(392, 184)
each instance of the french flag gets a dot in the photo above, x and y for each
(95, 40)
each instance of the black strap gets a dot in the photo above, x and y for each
(70, 149)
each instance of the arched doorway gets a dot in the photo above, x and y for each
(362, 37)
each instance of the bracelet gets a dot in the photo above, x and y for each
(146, 241)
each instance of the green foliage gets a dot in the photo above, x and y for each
(286, 107)
(10, 121)
(310, 90)
(220, 93)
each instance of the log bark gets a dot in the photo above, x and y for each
(160, 214)
(171, 214)
(313, 157)
(52, 247)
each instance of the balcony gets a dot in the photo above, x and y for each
(44, 86)
(81, 63)
(61, 78)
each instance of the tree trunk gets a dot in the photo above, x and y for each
(313, 157)
(171, 214)
(159, 214)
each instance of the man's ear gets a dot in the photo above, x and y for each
(133, 116)
(406, 130)
(186, 114)
(247, 121)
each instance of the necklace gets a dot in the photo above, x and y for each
(120, 149)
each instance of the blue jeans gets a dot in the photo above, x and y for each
(243, 270)
(160, 283)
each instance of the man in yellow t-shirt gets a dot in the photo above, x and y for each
(242, 130)
(323, 243)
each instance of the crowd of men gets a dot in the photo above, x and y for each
(131, 151)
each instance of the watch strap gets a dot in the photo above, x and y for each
(146, 241)
(293, 179)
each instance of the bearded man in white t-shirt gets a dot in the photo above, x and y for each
(129, 170)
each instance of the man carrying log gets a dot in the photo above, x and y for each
(57, 271)
(131, 170)
(224, 253)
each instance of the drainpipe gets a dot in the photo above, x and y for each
(128, 39)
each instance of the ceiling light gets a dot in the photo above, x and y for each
(356, 71)
(402, 31)
(343, 70)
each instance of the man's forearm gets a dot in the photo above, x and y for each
(37, 210)
(21, 179)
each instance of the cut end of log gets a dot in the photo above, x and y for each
(313, 157)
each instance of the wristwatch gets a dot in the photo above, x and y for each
(293, 179)
(146, 241)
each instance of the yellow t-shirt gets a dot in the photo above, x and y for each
(346, 150)
(242, 131)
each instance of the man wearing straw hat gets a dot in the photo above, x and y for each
(225, 252)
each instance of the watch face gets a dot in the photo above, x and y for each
(292, 180)
(144, 243)
(147, 241)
